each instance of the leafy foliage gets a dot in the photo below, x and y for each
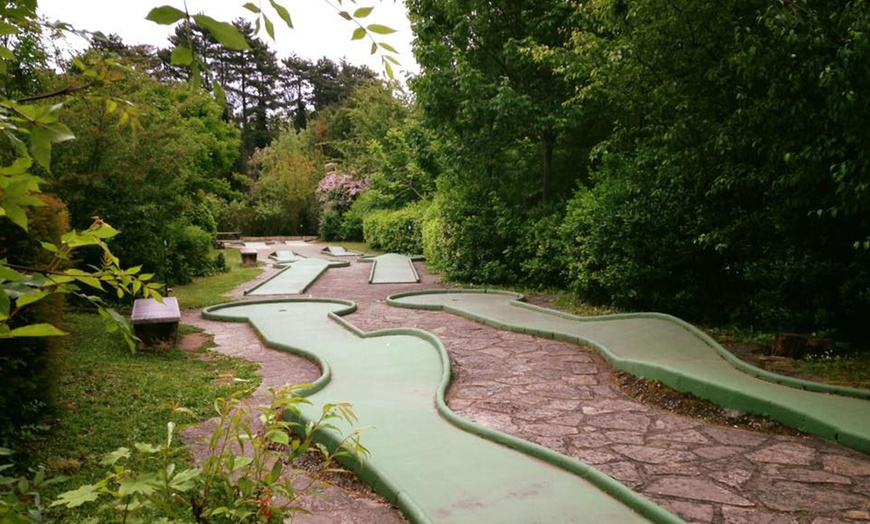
(246, 477)
(399, 231)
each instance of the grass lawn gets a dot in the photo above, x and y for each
(852, 371)
(207, 291)
(111, 398)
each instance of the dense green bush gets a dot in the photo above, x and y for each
(330, 226)
(188, 253)
(467, 235)
(398, 231)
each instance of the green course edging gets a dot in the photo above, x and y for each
(719, 393)
(381, 482)
(746, 367)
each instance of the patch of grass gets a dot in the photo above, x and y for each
(208, 291)
(852, 371)
(111, 398)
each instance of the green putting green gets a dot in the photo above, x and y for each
(392, 269)
(435, 466)
(665, 348)
(295, 278)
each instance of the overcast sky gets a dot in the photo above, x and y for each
(318, 30)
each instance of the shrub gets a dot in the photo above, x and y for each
(398, 231)
(188, 253)
(330, 226)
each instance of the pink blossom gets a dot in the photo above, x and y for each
(338, 190)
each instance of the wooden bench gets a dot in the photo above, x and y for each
(249, 257)
(154, 323)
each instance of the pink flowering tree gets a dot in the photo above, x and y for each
(337, 190)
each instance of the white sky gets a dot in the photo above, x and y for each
(318, 30)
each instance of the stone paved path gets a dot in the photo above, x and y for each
(561, 396)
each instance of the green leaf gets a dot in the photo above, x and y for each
(146, 448)
(5, 303)
(388, 47)
(48, 246)
(35, 330)
(110, 459)
(18, 167)
(389, 69)
(165, 15)
(40, 146)
(358, 34)
(270, 28)
(282, 12)
(380, 29)
(144, 485)
(16, 215)
(184, 481)
(30, 298)
(250, 6)
(181, 56)
(226, 34)
(345, 15)
(278, 436)
(77, 497)
(362, 12)
(374, 48)
(7, 273)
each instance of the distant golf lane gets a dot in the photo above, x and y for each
(421, 460)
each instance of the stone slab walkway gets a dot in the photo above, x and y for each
(667, 349)
(563, 397)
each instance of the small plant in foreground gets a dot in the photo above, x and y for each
(246, 477)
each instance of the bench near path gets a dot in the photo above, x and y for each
(673, 352)
(423, 458)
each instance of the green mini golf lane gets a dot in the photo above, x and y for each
(665, 348)
(392, 269)
(421, 460)
(296, 278)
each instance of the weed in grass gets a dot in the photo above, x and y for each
(248, 476)
(109, 397)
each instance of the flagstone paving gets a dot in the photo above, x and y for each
(562, 396)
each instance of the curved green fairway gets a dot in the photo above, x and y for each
(431, 468)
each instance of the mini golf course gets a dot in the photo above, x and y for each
(435, 466)
(296, 278)
(665, 348)
(392, 269)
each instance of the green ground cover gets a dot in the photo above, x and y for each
(207, 291)
(111, 398)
